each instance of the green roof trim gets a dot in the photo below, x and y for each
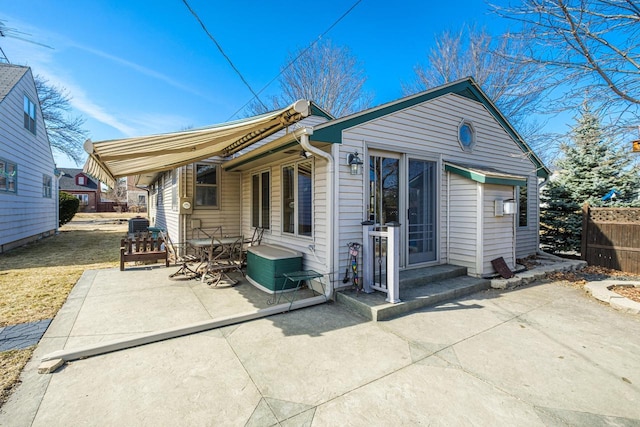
(332, 131)
(486, 177)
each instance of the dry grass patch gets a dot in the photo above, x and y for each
(11, 364)
(36, 279)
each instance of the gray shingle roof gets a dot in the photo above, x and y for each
(10, 75)
(68, 180)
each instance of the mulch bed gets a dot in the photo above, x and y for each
(593, 273)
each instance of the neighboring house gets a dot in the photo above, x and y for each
(136, 197)
(444, 164)
(82, 186)
(28, 183)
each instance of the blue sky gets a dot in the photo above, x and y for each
(143, 67)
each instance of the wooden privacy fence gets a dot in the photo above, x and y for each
(611, 238)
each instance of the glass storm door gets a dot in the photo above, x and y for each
(421, 219)
(384, 189)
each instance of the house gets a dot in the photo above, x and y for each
(136, 196)
(82, 186)
(28, 183)
(444, 168)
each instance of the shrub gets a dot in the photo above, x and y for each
(68, 207)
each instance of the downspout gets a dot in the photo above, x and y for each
(305, 144)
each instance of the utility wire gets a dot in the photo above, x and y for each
(295, 59)
(195, 15)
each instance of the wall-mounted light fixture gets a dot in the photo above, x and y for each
(509, 207)
(354, 163)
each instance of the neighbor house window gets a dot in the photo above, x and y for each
(260, 200)
(29, 115)
(46, 186)
(207, 180)
(522, 206)
(81, 180)
(297, 196)
(8, 176)
(84, 199)
(142, 199)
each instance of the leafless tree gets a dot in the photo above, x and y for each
(328, 75)
(65, 131)
(513, 86)
(590, 50)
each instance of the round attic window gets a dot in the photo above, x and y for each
(466, 136)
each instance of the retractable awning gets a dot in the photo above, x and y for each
(112, 159)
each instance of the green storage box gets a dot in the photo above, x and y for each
(266, 265)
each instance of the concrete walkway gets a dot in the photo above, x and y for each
(542, 355)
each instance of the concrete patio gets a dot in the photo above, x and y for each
(542, 354)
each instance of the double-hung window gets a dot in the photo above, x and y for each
(29, 115)
(297, 198)
(207, 180)
(260, 199)
(46, 186)
(8, 176)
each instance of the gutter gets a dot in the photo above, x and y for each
(306, 145)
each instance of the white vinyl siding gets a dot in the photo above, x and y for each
(26, 214)
(313, 247)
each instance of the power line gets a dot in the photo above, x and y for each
(296, 58)
(195, 15)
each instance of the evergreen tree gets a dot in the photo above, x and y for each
(590, 168)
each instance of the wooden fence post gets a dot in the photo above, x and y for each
(584, 234)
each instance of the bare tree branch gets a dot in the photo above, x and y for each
(590, 50)
(328, 75)
(65, 132)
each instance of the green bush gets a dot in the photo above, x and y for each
(68, 207)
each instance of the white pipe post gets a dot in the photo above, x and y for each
(393, 260)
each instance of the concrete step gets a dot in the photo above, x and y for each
(421, 276)
(374, 307)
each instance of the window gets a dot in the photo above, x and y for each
(8, 176)
(160, 194)
(466, 136)
(260, 200)
(522, 206)
(297, 196)
(81, 180)
(84, 199)
(46, 186)
(174, 190)
(207, 185)
(142, 200)
(29, 115)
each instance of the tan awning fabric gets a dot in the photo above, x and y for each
(109, 160)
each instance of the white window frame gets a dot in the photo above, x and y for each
(29, 114)
(198, 202)
(262, 216)
(47, 184)
(296, 199)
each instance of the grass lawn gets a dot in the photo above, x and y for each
(36, 279)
